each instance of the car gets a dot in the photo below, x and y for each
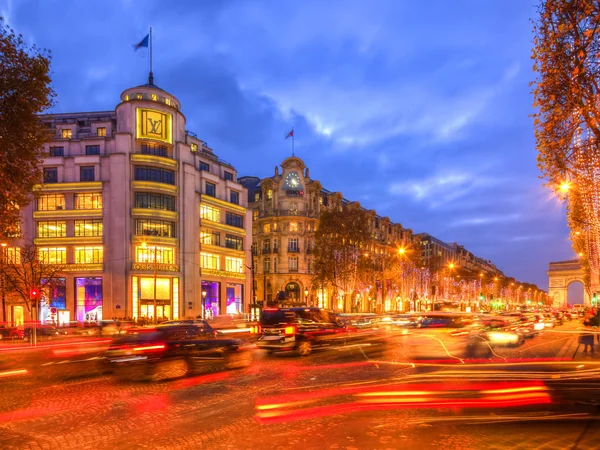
(42, 332)
(7, 331)
(172, 351)
(405, 320)
(302, 329)
(504, 331)
(527, 323)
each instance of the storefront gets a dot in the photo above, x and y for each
(159, 292)
(17, 313)
(53, 307)
(210, 298)
(234, 296)
(88, 299)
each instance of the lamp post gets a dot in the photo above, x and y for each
(204, 303)
(2, 262)
(306, 296)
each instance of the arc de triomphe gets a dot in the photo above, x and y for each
(560, 275)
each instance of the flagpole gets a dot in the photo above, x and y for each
(293, 151)
(151, 76)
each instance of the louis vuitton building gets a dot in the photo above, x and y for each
(142, 217)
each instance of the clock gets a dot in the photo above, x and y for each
(292, 184)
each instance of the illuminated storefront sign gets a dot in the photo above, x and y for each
(159, 267)
(155, 125)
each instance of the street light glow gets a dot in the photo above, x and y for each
(451, 265)
(401, 250)
(565, 187)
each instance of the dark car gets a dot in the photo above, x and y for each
(172, 351)
(303, 329)
(7, 331)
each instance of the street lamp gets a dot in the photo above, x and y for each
(204, 303)
(306, 296)
(3, 257)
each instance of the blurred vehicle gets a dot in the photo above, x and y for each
(7, 331)
(549, 320)
(41, 332)
(172, 351)
(405, 320)
(303, 329)
(527, 323)
(568, 315)
(443, 335)
(506, 330)
(559, 317)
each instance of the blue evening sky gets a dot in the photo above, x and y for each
(419, 110)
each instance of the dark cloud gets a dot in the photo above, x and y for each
(418, 112)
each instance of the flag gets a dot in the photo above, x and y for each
(290, 134)
(142, 43)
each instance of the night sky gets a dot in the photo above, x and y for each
(419, 110)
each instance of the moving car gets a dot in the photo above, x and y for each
(172, 351)
(527, 323)
(504, 331)
(303, 329)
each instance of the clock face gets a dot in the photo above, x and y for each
(292, 181)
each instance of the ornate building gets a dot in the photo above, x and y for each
(142, 217)
(285, 216)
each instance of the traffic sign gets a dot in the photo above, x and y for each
(53, 310)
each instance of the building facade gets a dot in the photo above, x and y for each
(142, 217)
(285, 216)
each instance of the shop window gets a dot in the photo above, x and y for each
(88, 298)
(210, 298)
(234, 296)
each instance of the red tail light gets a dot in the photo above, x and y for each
(255, 329)
(147, 348)
(289, 330)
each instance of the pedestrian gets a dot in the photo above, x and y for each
(587, 339)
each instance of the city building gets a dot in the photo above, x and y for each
(285, 213)
(142, 217)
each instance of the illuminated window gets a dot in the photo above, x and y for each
(194, 148)
(293, 226)
(147, 254)
(88, 201)
(163, 288)
(138, 96)
(167, 101)
(154, 97)
(88, 255)
(210, 237)
(52, 255)
(66, 134)
(127, 98)
(209, 261)
(234, 264)
(51, 228)
(50, 202)
(101, 131)
(11, 255)
(144, 227)
(255, 214)
(269, 194)
(88, 228)
(256, 196)
(267, 265)
(293, 264)
(267, 228)
(210, 213)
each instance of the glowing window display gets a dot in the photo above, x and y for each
(88, 294)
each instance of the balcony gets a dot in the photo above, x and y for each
(294, 250)
(87, 186)
(266, 251)
(145, 158)
(154, 213)
(286, 212)
(293, 270)
(224, 203)
(275, 250)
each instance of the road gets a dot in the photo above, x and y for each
(288, 402)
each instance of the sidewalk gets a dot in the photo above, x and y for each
(573, 350)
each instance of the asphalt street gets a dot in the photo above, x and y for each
(319, 401)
